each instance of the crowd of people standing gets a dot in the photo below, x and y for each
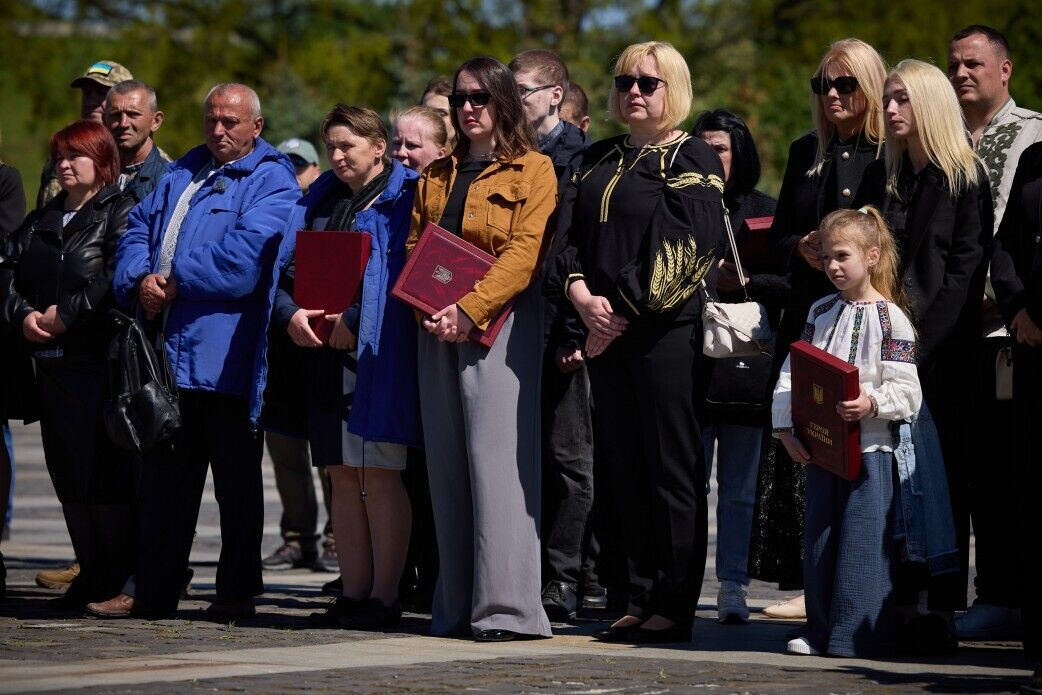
(568, 465)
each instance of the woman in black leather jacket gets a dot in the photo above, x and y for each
(55, 293)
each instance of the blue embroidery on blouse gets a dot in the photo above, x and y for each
(859, 318)
(891, 349)
(808, 333)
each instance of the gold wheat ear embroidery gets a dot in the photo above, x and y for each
(676, 273)
(692, 178)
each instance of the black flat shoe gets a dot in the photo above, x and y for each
(616, 634)
(678, 632)
(370, 614)
(496, 636)
(339, 608)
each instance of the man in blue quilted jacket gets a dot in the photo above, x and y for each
(197, 257)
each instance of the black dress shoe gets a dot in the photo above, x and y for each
(371, 614)
(677, 632)
(616, 634)
(337, 609)
(560, 601)
(496, 636)
(595, 597)
(226, 610)
(334, 587)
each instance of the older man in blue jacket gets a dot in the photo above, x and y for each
(198, 255)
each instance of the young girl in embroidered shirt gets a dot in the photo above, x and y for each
(849, 550)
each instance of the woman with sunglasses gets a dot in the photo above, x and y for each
(641, 222)
(934, 192)
(480, 406)
(823, 173)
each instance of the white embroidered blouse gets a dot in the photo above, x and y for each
(879, 340)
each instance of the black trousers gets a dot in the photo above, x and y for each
(1027, 405)
(567, 470)
(646, 387)
(215, 432)
(996, 474)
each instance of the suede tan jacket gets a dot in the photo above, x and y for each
(506, 214)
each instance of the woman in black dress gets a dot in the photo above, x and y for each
(641, 221)
(55, 292)
(823, 173)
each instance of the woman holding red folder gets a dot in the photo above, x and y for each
(480, 405)
(361, 392)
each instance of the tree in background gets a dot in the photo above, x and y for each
(752, 56)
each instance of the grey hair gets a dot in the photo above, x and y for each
(128, 86)
(251, 98)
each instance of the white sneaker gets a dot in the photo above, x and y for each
(730, 603)
(800, 645)
(793, 609)
(986, 622)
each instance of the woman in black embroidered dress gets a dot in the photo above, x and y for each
(823, 173)
(639, 227)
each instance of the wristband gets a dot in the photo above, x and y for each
(778, 431)
(875, 406)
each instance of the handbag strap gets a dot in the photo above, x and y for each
(734, 250)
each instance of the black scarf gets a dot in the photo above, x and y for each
(343, 214)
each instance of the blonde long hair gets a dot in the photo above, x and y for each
(864, 63)
(866, 229)
(940, 126)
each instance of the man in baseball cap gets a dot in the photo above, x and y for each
(95, 84)
(304, 157)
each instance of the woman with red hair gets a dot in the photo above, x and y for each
(55, 293)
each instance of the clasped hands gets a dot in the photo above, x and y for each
(40, 327)
(156, 292)
(596, 312)
(450, 325)
(851, 411)
(300, 332)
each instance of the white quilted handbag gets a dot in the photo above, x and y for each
(734, 330)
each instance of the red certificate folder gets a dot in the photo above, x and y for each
(752, 241)
(819, 382)
(440, 271)
(329, 271)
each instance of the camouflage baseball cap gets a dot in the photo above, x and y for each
(107, 73)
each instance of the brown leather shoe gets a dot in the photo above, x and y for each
(59, 578)
(118, 607)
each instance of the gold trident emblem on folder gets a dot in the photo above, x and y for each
(819, 394)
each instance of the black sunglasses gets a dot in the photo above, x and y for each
(823, 85)
(645, 83)
(476, 99)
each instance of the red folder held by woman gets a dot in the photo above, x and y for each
(329, 271)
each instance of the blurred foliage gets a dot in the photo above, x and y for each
(753, 56)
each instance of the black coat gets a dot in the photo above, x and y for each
(16, 390)
(44, 264)
(802, 203)
(1016, 263)
(945, 244)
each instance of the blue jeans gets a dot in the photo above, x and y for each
(738, 459)
(9, 445)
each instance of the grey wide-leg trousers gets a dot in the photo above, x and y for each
(480, 411)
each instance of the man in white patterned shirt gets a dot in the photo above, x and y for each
(980, 68)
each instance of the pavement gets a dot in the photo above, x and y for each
(44, 649)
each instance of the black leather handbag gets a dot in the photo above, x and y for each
(741, 384)
(141, 411)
